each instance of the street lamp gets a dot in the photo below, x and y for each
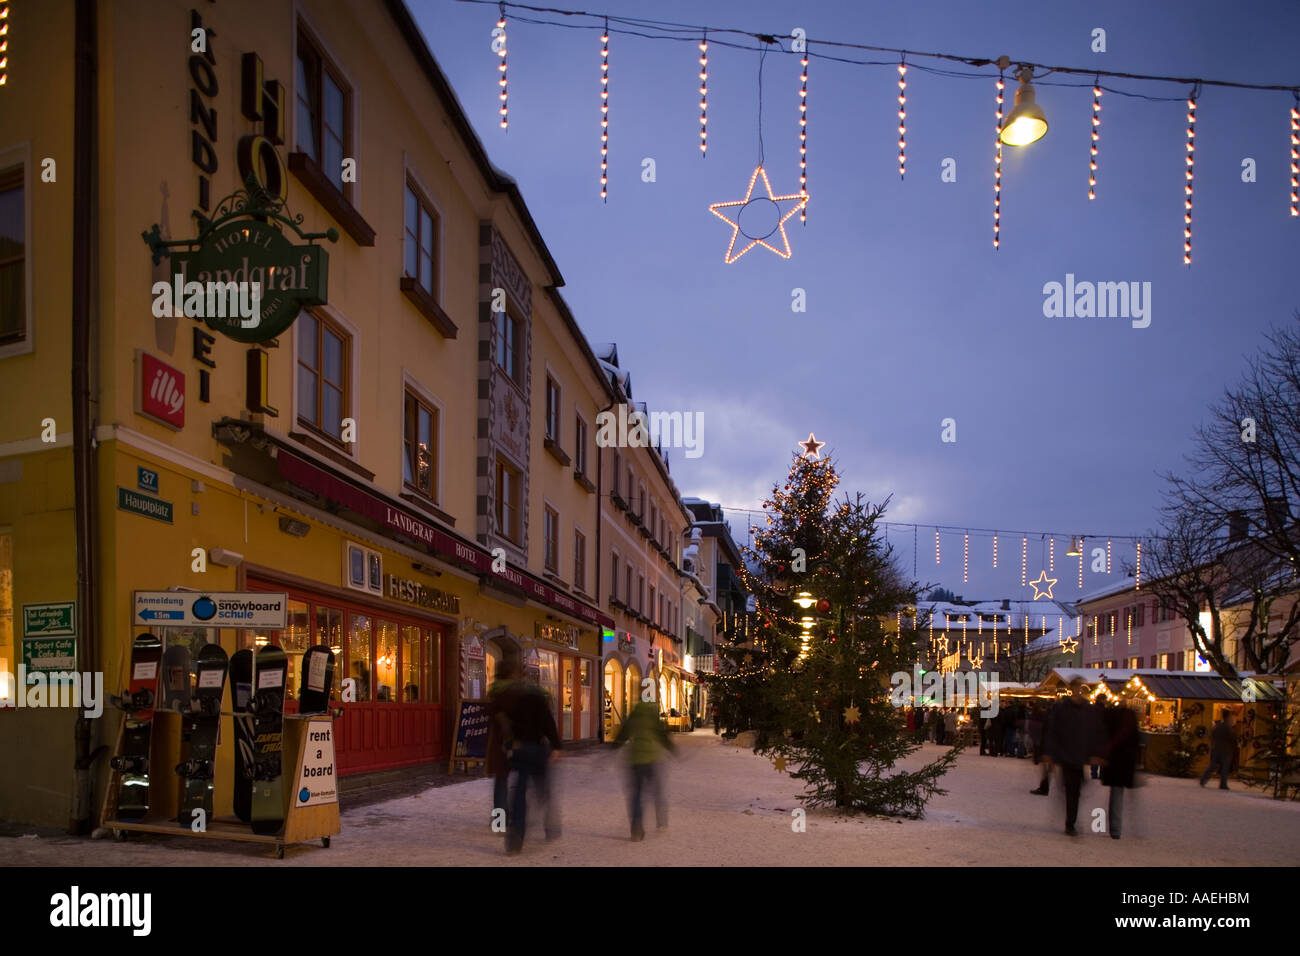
(1026, 122)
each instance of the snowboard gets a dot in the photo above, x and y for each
(317, 680)
(241, 699)
(198, 770)
(177, 679)
(132, 761)
(271, 665)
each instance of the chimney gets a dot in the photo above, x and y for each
(1238, 525)
(1006, 604)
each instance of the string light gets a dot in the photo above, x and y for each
(501, 67)
(1108, 555)
(995, 551)
(1128, 622)
(1080, 562)
(936, 547)
(997, 170)
(965, 558)
(803, 138)
(1051, 554)
(1024, 561)
(1096, 134)
(604, 112)
(1187, 197)
(902, 118)
(1295, 155)
(704, 96)
(1137, 570)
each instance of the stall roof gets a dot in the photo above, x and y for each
(1200, 686)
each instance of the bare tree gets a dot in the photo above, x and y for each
(1243, 475)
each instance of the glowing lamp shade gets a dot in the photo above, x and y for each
(1026, 122)
(804, 600)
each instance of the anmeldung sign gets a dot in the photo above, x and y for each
(316, 778)
(257, 609)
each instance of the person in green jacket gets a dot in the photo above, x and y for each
(644, 734)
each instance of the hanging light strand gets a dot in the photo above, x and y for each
(704, 95)
(1187, 192)
(1081, 566)
(1096, 135)
(995, 551)
(902, 117)
(965, 557)
(604, 112)
(936, 547)
(1051, 554)
(1295, 155)
(997, 169)
(1108, 555)
(803, 138)
(4, 42)
(502, 81)
(1024, 561)
(1137, 569)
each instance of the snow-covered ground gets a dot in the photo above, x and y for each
(730, 807)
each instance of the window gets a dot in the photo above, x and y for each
(324, 111)
(579, 560)
(614, 473)
(640, 507)
(654, 520)
(508, 482)
(359, 655)
(652, 604)
(420, 438)
(613, 577)
(630, 487)
(551, 540)
(640, 594)
(323, 400)
(13, 257)
(421, 251)
(508, 346)
(1135, 663)
(552, 410)
(627, 590)
(579, 446)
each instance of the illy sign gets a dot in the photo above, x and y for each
(160, 391)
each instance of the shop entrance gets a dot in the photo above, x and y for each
(614, 699)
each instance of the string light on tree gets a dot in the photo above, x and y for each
(502, 82)
(604, 112)
(803, 137)
(704, 95)
(902, 118)
(1096, 134)
(1187, 197)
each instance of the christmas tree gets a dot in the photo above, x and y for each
(830, 636)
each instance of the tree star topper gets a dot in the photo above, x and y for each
(812, 447)
(799, 200)
(1040, 592)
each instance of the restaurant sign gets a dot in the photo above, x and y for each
(564, 634)
(413, 592)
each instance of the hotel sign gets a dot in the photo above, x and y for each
(413, 592)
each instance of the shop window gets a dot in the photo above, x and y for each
(294, 641)
(507, 504)
(324, 113)
(508, 346)
(552, 410)
(551, 540)
(421, 250)
(323, 398)
(410, 663)
(579, 446)
(386, 662)
(579, 560)
(431, 669)
(548, 674)
(566, 701)
(8, 663)
(420, 437)
(329, 631)
(359, 655)
(13, 256)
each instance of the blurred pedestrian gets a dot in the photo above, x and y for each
(1222, 743)
(645, 736)
(1038, 722)
(1119, 754)
(1073, 739)
(532, 727)
(497, 760)
(936, 724)
(1100, 706)
(950, 726)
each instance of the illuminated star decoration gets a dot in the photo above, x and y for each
(812, 448)
(749, 659)
(1069, 645)
(976, 661)
(1041, 592)
(799, 202)
(779, 764)
(851, 714)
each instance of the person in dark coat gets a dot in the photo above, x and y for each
(532, 726)
(496, 761)
(1119, 754)
(1073, 739)
(1037, 723)
(1222, 743)
(1100, 705)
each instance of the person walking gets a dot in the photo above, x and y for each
(1119, 755)
(1037, 725)
(1100, 705)
(1222, 742)
(950, 726)
(1072, 741)
(645, 735)
(532, 727)
(497, 759)
(936, 724)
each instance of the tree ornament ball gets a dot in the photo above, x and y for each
(823, 605)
